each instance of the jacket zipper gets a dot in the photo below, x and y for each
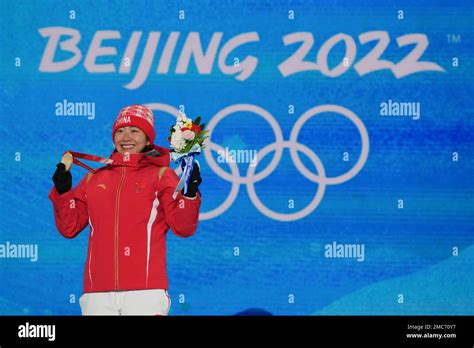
(117, 206)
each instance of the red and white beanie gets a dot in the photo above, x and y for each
(138, 116)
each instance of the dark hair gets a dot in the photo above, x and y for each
(147, 148)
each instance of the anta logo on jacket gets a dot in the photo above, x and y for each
(129, 206)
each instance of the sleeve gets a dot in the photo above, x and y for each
(182, 213)
(70, 209)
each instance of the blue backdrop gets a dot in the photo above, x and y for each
(360, 116)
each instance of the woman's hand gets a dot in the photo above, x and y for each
(62, 177)
(194, 182)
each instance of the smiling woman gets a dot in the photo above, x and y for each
(130, 206)
(133, 129)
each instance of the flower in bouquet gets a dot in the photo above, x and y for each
(186, 134)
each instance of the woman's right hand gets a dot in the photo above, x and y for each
(62, 177)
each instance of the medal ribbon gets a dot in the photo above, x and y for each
(88, 157)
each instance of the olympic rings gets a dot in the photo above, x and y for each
(292, 144)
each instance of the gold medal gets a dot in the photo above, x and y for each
(67, 160)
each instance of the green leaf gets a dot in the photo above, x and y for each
(197, 120)
(201, 138)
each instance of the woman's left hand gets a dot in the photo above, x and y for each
(194, 182)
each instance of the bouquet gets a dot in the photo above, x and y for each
(186, 141)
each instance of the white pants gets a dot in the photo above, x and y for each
(135, 302)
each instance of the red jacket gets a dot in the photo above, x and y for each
(129, 207)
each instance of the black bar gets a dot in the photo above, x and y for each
(287, 330)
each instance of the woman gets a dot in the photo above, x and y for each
(129, 206)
